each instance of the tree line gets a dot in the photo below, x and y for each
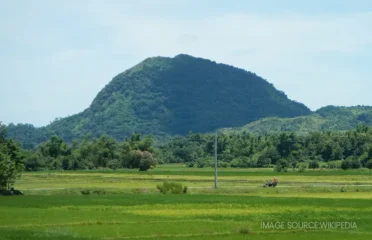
(136, 152)
(104, 152)
(347, 150)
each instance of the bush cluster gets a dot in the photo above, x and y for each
(172, 187)
(351, 163)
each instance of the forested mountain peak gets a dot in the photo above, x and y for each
(172, 96)
(177, 95)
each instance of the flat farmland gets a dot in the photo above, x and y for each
(192, 177)
(127, 205)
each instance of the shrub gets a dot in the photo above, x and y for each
(146, 161)
(345, 165)
(162, 189)
(223, 164)
(263, 161)
(85, 191)
(334, 164)
(243, 162)
(143, 160)
(302, 167)
(173, 187)
(234, 163)
(113, 164)
(190, 164)
(97, 191)
(205, 162)
(364, 158)
(35, 162)
(369, 164)
(314, 164)
(176, 188)
(200, 164)
(281, 166)
(351, 163)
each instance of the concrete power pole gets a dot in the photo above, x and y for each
(215, 163)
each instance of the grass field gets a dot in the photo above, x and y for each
(128, 205)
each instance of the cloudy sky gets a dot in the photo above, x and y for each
(55, 56)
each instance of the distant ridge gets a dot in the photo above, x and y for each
(330, 118)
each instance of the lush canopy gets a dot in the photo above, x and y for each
(10, 160)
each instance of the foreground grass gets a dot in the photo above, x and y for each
(197, 216)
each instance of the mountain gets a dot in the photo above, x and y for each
(330, 118)
(172, 96)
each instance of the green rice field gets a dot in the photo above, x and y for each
(319, 204)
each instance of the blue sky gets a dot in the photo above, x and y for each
(57, 55)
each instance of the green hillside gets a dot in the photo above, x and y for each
(329, 118)
(171, 96)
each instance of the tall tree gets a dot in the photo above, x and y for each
(10, 160)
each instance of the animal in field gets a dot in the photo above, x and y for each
(271, 183)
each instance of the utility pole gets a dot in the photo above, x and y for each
(215, 163)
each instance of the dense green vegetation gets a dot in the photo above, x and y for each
(10, 161)
(169, 96)
(349, 149)
(281, 149)
(27, 135)
(102, 152)
(329, 118)
(325, 119)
